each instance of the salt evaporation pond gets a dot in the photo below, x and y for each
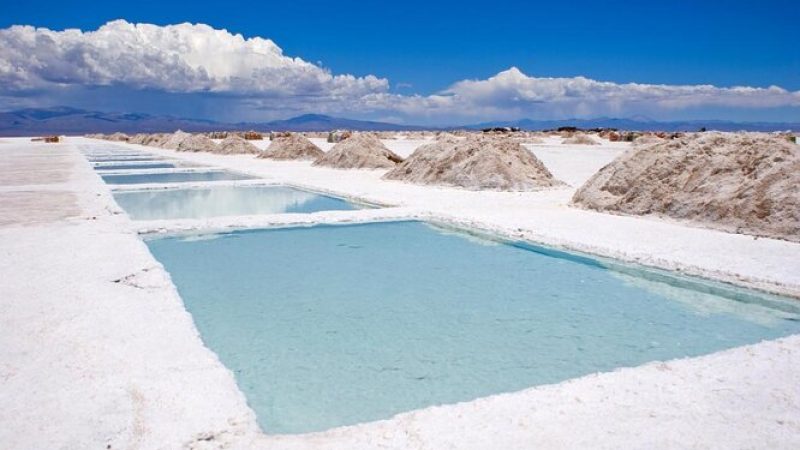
(121, 158)
(174, 177)
(335, 325)
(224, 201)
(144, 165)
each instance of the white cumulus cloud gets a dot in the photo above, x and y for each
(252, 77)
(511, 93)
(182, 58)
(512, 88)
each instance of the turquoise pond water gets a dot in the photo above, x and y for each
(121, 158)
(174, 177)
(224, 201)
(336, 325)
(140, 166)
(128, 159)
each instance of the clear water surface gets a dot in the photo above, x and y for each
(138, 166)
(224, 201)
(121, 158)
(174, 177)
(336, 325)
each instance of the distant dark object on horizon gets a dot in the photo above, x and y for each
(639, 124)
(501, 130)
(582, 130)
(48, 139)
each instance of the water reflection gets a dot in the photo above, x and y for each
(138, 166)
(173, 177)
(224, 201)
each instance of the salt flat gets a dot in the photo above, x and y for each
(96, 348)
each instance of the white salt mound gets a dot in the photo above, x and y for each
(153, 140)
(740, 182)
(447, 137)
(156, 139)
(173, 140)
(530, 140)
(475, 163)
(580, 139)
(138, 138)
(236, 145)
(361, 151)
(293, 146)
(121, 137)
(647, 140)
(196, 143)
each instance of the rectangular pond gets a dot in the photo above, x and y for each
(335, 325)
(113, 159)
(224, 201)
(174, 177)
(143, 165)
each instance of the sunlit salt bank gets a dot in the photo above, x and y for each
(174, 177)
(334, 325)
(224, 201)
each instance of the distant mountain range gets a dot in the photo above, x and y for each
(66, 120)
(319, 122)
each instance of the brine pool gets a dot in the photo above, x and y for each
(135, 166)
(173, 177)
(113, 159)
(327, 326)
(225, 201)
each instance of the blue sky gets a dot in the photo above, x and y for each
(424, 48)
